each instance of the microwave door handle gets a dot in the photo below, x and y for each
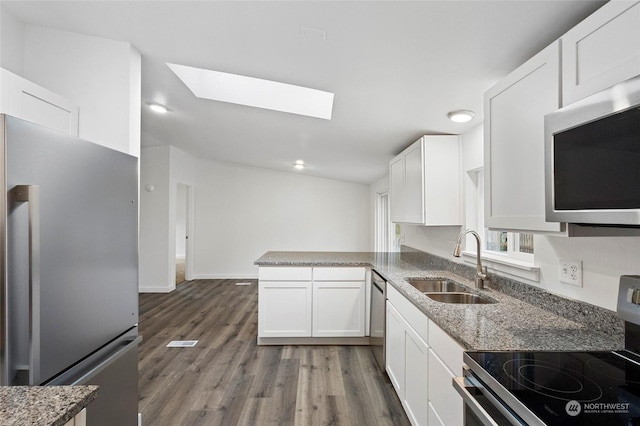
(30, 194)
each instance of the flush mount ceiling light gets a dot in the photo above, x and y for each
(461, 116)
(299, 164)
(160, 109)
(255, 92)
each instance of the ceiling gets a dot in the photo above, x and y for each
(396, 69)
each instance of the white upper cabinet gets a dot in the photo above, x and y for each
(28, 101)
(601, 51)
(425, 182)
(514, 143)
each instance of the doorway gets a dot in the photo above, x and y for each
(182, 232)
(383, 227)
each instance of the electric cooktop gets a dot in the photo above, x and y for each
(565, 388)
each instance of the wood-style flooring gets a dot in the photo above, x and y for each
(228, 380)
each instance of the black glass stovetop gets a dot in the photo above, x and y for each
(565, 388)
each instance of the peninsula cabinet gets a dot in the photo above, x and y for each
(425, 182)
(514, 144)
(311, 302)
(284, 302)
(338, 302)
(601, 51)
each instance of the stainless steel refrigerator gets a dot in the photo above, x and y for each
(69, 267)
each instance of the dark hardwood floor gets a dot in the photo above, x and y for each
(228, 380)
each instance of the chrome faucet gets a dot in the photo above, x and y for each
(481, 274)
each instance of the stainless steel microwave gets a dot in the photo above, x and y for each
(592, 159)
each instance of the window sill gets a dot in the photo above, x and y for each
(511, 267)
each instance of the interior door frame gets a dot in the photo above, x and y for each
(190, 218)
(383, 231)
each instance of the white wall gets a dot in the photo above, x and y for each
(102, 77)
(604, 259)
(11, 42)
(240, 213)
(243, 212)
(155, 235)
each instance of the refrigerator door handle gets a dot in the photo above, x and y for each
(31, 195)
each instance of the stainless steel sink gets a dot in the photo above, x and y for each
(466, 298)
(435, 285)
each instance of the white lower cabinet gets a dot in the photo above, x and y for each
(445, 401)
(395, 348)
(434, 419)
(284, 309)
(338, 309)
(422, 380)
(312, 302)
(407, 358)
(416, 378)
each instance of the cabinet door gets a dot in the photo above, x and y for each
(28, 101)
(514, 143)
(284, 309)
(413, 197)
(396, 185)
(442, 180)
(416, 378)
(444, 399)
(395, 349)
(338, 309)
(601, 51)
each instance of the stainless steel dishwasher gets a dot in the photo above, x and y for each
(378, 318)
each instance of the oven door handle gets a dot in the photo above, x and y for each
(463, 384)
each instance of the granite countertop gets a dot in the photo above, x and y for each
(43, 405)
(509, 324)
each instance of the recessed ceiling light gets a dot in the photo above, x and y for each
(461, 116)
(299, 164)
(255, 92)
(160, 109)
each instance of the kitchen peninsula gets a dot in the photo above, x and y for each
(524, 317)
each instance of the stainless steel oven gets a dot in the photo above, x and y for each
(378, 318)
(595, 388)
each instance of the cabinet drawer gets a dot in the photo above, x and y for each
(283, 273)
(416, 319)
(339, 274)
(446, 348)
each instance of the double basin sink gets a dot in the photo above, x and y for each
(447, 291)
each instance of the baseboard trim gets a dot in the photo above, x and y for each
(156, 289)
(265, 341)
(225, 277)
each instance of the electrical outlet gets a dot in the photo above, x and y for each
(571, 272)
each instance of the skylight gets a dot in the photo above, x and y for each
(255, 92)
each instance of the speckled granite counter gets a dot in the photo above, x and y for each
(534, 320)
(43, 405)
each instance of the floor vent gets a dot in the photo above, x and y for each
(243, 283)
(182, 343)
